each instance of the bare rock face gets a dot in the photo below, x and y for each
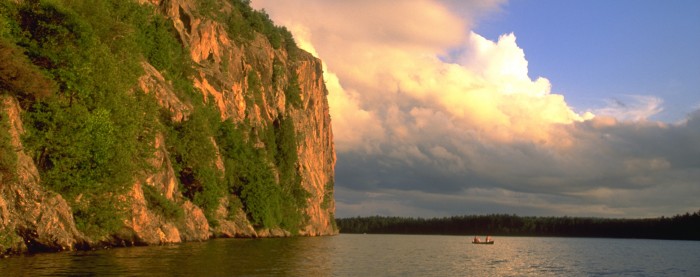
(34, 219)
(154, 82)
(31, 218)
(316, 151)
(195, 226)
(232, 224)
(274, 233)
(223, 66)
(163, 178)
(148, 227)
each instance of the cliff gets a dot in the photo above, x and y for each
(153, 122)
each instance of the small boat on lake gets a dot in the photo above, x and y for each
(482, 242)
(488, 240)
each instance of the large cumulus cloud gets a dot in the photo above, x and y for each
(431, 118)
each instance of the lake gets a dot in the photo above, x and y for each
(375, 255)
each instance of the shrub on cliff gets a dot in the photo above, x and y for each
(193, 152)
(245, 22)
(75, 65)
(158, 202)
(93, 135)
(20, 77)
(8, 156)
(251, 176)
(292, 93)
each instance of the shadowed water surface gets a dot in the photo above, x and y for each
(376, 255)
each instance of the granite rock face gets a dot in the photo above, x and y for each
(31, 218)
(34, 219)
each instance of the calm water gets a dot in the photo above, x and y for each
(376, 255)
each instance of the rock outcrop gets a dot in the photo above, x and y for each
(226, 63)
(31, 218)
(222, 67)
(34, 219)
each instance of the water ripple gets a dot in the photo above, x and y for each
(375, 255)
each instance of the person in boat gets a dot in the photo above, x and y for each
(476, 239)
(488, 238)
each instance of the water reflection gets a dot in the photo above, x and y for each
(291, 256)
(373, 255)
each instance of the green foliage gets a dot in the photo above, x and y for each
(239, 29)
(161, 46)
(250, 176)
(208, 7)
(99, 215)
(261, 197)
(94, 134)
(289, 44)
(328, 195)
(286, 159)
(334, 222)
(52, 23)
(9, 240)
(234, 203)
(158, 202)
(254, 91)
(278, 71)
(56, 39)
(292, 93)
(245, 22)
(249, 173)
(8, 22)
(132, 30)
(99, 151)
(74, 65)
(685, 226)
(8, 156)
(158, 40)
(267, 135)
(194, 156)
(19, 76)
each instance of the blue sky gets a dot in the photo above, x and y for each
(448, 107)
(597, 50)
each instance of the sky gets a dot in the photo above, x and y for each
(532, 107)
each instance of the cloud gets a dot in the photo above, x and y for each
(346, 112)
(632, 107)
(386, 78)
(430, 119)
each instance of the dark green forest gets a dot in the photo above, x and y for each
(681, 227)
(74, 67)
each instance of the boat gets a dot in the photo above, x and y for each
(482, 242)
(488, 240)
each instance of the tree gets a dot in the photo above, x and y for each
(19, 76)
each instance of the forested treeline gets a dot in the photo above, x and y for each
(686, 227)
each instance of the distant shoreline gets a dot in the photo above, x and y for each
(679, 227)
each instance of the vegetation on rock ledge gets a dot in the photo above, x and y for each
(91, 131)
